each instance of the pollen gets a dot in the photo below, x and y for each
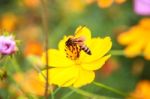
(73, 52)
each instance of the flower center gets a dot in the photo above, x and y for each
(6, 46)
(73, 52)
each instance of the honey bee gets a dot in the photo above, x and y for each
(75, 45)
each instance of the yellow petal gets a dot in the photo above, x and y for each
(99, 47)
(104, 3)
(130, 36)
(134, 49)
(62, 77)
(61, 45)
(125, 38)
(120, 1)
(85, 77)
(83, 31)
(90, 1)
(145, 22)
(147, 51)
(97, 64)
(75, 5)
(70, 82)
(30, 82)
(57, 59)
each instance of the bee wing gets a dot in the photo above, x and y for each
(80, 39)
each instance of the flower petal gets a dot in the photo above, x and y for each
(99, 47)
(147, 51)
(97, 64)
(57, 59)
(130, 36)
(104, 3)
(70, 82)
(61, 45)
(134, 49)
(120, 1)
(85, 77)
(83, 31)
(62, 77)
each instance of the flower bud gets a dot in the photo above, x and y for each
(7, 45)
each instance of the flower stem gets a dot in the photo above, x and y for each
(90, 95)
(68, 94)
(15, 64)
(109, 88)
(117, 52)
(52, 94)
(45, 29)
(56, 90)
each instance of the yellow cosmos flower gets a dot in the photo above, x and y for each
(105, 3)
(141, 91)
(9, 22)
(76, 6)
(30, 82)
(137, 40)
(108, 3)
(77, 70)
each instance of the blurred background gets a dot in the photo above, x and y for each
(104, 17)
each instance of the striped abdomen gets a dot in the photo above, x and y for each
(86, 49)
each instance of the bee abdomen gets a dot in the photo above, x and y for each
(86, 49)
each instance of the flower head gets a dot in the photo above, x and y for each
(72, 66)
(105, 3)
(76, 6)
(108, 3)
(33, 48)
(142, 7)
(141, 91)
(136, 39)
(31, 4)
(7, 45)
(30, 83)
(9, 21)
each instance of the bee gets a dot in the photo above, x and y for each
(75, 45)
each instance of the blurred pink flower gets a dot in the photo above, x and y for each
(7, 45)
(142, 7)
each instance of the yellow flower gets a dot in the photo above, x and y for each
(30, 82)
(33, 48)
(105, 3)
(75, 6)
(141, 91)
(9, 22)
(77, 71)
(137, 40)
(108, 3)
(31, 4)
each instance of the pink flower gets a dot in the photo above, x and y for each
(7, 45)
(142, 7)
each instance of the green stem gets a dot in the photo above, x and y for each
(110, 88)
(90, 95)
(117, 52)
(52, 94)
(45, 20)
(56, 90)
(15, 64)
(68, 94)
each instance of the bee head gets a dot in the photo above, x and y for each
(69, 42)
